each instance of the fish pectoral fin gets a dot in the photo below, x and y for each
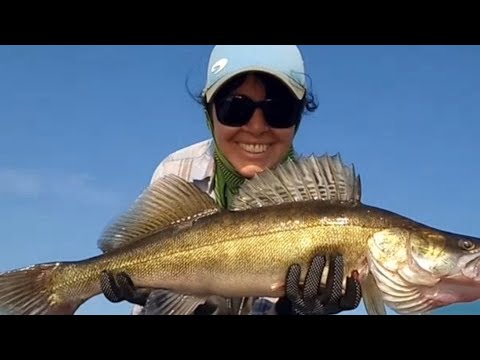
(166, 302)
(372, 296)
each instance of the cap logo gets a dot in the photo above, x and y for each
(219, 66)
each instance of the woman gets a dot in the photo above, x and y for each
(254, 99)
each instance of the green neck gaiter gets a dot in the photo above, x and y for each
(227, 180)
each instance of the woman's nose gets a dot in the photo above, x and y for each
(257, 123)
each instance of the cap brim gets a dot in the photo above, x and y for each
(297, 89)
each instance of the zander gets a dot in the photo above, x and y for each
(176, 238)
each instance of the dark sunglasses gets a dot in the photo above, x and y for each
(238, 110)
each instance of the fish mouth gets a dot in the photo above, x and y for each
(452, 290)
(462, 287)
(470, 266)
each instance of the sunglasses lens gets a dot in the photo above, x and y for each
(282, 113)
(235, 111)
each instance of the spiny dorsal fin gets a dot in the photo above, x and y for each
(169, 200)
(306, 178)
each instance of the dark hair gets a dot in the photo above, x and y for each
(274, 88)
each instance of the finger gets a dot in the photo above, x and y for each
(313, 278)
(129, 292)
(333, 291)
(127, 289)
(109, 287)
(353, 295)
(125, 284)
(292, 288)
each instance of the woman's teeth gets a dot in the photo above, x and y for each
(254, 148)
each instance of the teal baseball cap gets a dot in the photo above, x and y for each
(283, 61)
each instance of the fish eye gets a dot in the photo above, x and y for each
(467, 245)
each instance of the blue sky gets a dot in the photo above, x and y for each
(82, 129)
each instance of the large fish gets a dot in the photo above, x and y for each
(176, 238)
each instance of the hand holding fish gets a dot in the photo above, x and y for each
(121, 288)
(314, 299)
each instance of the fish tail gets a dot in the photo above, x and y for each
(30, 291)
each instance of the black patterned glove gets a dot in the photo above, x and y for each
(314, 299)
(120, 287)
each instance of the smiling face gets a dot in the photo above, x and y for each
(255, 146)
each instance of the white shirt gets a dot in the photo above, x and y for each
(194, 163)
